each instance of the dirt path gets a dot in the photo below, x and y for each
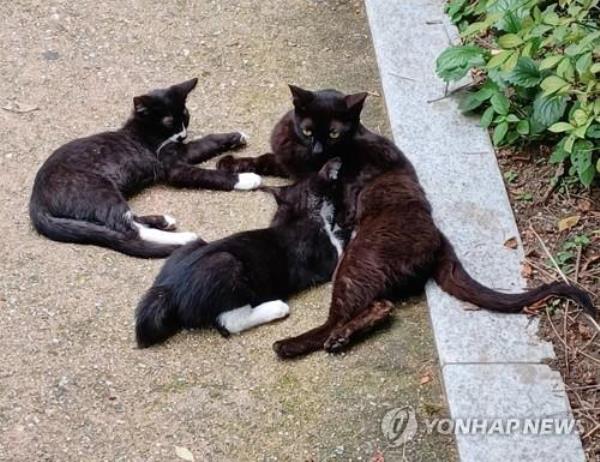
(72, 385)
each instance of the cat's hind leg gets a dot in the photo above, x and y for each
(366, 320)
(360, 279)
(246, 317)
(212, 145)
(163, 222)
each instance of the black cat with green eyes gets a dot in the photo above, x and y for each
(321, 126)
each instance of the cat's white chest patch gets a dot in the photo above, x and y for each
(327, 214)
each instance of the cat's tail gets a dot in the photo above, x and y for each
(452, 277)
(156, 317)
(85, 232)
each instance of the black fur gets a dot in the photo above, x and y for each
(201, 281)
(80, 192)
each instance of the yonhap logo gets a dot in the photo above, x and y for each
(399, 425)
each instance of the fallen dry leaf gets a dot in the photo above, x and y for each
(568, 222)
(511, 243)
(584, 205)
(184, 453)
(425, 379)
(526, 270)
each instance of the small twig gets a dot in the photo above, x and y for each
(562, 275)
(16, 110)
(584, 387)
(591, 432)
(456, 90)
(565, 316)
(560, 171)
(567, 347)
(402, 76)
(577, 263)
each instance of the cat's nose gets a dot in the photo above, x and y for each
(317, 148)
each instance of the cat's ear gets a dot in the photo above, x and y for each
(184, 88)
(331, 169)
(301, 97)
(142, 104)
(354, 103)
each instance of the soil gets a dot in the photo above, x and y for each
(567, 219)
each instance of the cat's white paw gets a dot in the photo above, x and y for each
(247, 181)
(186, 237)
(243, 138)
(277, 309)
(171, 222)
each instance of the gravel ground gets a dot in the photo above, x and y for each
(72, 384)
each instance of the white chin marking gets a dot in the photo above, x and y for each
(243, 138)
(247, 181)
(163, 237)
(246, 317)
(171, 222)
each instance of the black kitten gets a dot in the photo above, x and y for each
(321, 126)
(80, 192)
(239, 282)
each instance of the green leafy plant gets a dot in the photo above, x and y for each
(537, 65)
(565, 257)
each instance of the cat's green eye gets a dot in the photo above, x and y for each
(334, 134)
(307, 131)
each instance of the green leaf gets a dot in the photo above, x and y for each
(525, 73)
(595, 68)
(499, 59)
(582, 159)
(559, 154)
(474, 28)
(598, 165)
(551, 18)
(500, 103)
(510, 41)
(580, 117)
(593, 131)
(560, 127)
(583, 63)
(454, 62)
(550, 62)
(547, 110)
(569, 143)
(469, 102)
(523, 127)
(511, 62)
(565, 70)
(512, 118)
(499, 133)
(554, 84)
(486, 118)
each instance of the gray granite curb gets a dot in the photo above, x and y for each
(492, 364)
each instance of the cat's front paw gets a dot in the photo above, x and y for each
(290, 348)
(247, 181)
(240, 139)
(278, 309)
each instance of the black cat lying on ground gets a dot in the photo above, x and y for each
(239, 282)
(80, 192)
